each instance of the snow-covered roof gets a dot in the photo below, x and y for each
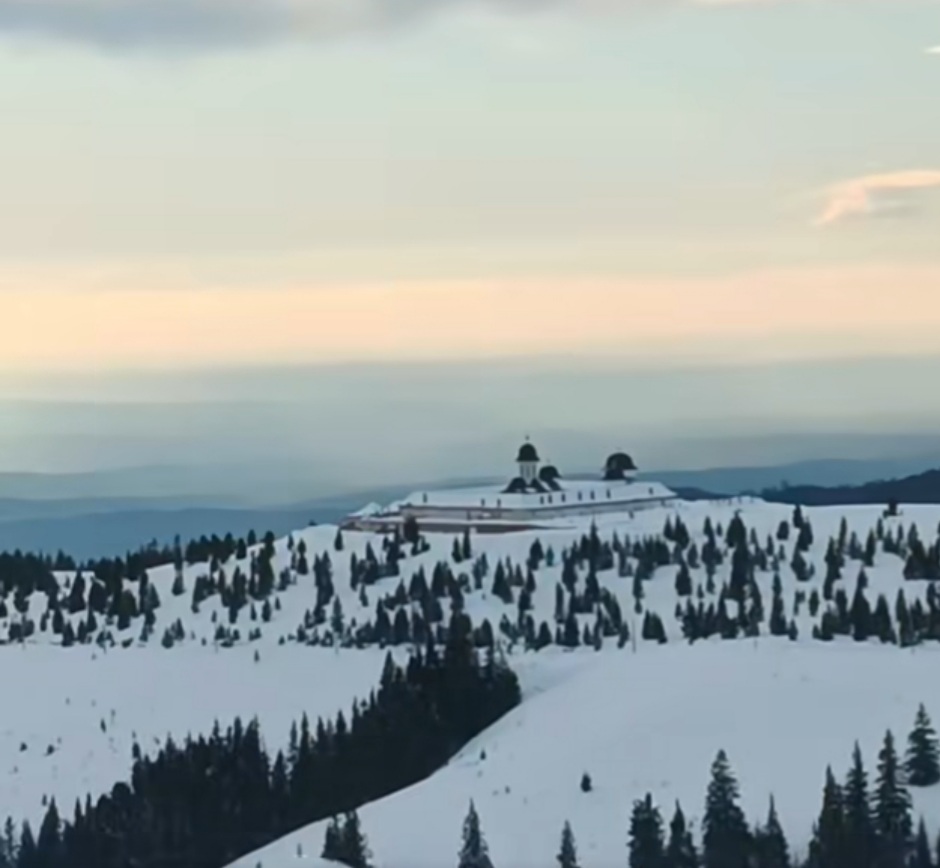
(368, 510)
(488, 495)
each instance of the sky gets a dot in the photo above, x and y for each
(200, 186)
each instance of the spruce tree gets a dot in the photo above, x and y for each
(771, 850)
(49, 842)
(680, 851)
(827, 847)
(354, 850)
(892, 805)
(474, 852)
(858, 826)
(921, 857)
(332, 841)
(567, 854)
(726, 838)
(646, 835)
(923, 754)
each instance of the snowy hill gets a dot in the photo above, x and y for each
(649, 722)
(304, 633)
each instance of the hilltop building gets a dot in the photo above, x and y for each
(535, 496)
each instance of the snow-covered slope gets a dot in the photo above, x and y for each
(650, 722)
(642, 717)
(71, 716)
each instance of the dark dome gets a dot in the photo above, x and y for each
(516, 486)
(527, 452)
(549, 473)
(620, 461)
(618, 466)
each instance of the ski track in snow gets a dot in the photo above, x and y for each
(644, 718)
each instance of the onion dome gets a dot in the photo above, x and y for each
(527, 453)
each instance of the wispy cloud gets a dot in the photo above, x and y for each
(888, 193)
(934, 50)
(197, 23)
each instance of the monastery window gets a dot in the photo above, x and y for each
(608, 494)
(563, 498)
(549, 498)
(499, 503)
(592, 495)
(424, 497)
(541, 498)
(651, 490)
(580, 495)
(482, 501)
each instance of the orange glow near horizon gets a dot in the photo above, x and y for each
(853, 310)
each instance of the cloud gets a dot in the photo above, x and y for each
(881, 195)
(192, 22)
(934, 50)
(198, 23)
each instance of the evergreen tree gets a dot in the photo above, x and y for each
(859, 831)
(646, 835)
(354, 850)
(771, 850)
(474, 852)
(921, 857)
(466, 548)
(49, 842)
(726, 838)
(28, 853)
(892, 808)
(827, 849)
(778, 618)
(683, 581)
(923, 755)
(568, 854)
(680, 851)
(333, 841)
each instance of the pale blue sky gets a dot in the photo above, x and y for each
(711, 131)
(776, 157)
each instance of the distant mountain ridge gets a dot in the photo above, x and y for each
(89, 521)
(920, 488)
(825, 473)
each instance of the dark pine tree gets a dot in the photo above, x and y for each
(333, 841)
(923, 755)
(770, 845)
(726, 837)
(921, 857)
(49, 843)
(473, 852)
(827, 848)
(859, 830)
(646, 843)
(354, 850)
(680, 851)
(568, 853)
(892, 805)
